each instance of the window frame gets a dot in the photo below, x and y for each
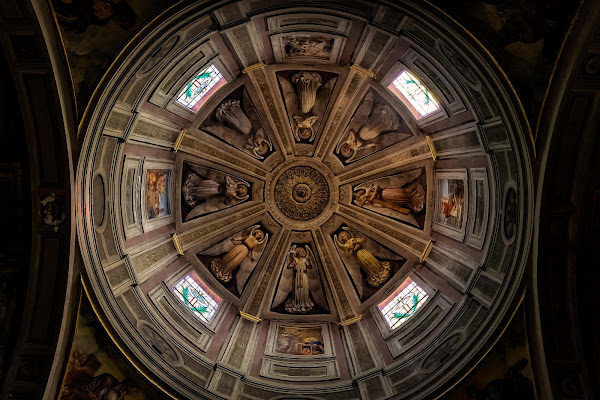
(412, 106)
(388, 332)
(191, 114)
(192, 317)
(396, 293)
(214, 303)
(388, 82)
(219, 83)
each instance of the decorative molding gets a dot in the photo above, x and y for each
(362, 71)
(249, 317)
(350, 321)
(177, 244)
(431, 147)
(426, 251)
(179, 140)
(253, 67)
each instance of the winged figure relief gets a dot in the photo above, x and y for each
(241, 252)
(370, 122)
(205, 190)
(399, 196)
(359, 252)
(240, 125)
(306, 103)
(300, 277)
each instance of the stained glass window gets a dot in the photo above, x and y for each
(416, 93)
(196, 298)
(199, 86)
(403, 303)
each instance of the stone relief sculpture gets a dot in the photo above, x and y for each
(300, 277)
(374, 125)
(205, 190)
(240, 126)
(358, 252)
(241, 252)
(399, 196)
(306, 103)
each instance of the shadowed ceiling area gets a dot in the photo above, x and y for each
(330, 202)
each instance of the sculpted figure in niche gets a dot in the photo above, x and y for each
(241, 127)
(300, 277)
(231, 114)
(307, 102)
(399, 196)
(358, 252)
(243, 251)
(377, 271)
(206, 190)
(369, 122)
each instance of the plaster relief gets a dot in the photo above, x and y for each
(306, 95)
(205, 190)
(236, 122)
(374, 126)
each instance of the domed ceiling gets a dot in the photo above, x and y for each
(288, 200)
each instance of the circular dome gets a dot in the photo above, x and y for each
(324, 202)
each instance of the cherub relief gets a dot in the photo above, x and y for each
(206, 190)
(359, 252)
(300, 276)
(370, 121)
(398, 196)
(243, 251)
(307, 103)
(240, 126)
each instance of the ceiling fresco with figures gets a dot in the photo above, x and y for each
(279, 199)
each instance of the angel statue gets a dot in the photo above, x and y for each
(359, 252)
(195, 189)
(243, 252)
(367, 124)
(301, 277)
(241, 128)
(307, 103)
(398, 193)
(206, 190)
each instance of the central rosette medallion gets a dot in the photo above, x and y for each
(301, 193)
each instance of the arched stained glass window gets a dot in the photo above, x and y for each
(403, 303)
(199, 87)
(416, 93)
(192, 293)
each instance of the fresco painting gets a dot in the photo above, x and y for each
(308, 46)
(158, 203)
(93, 32)
(451, 194)
(96, 370)
(505, 372)
(296, 340)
